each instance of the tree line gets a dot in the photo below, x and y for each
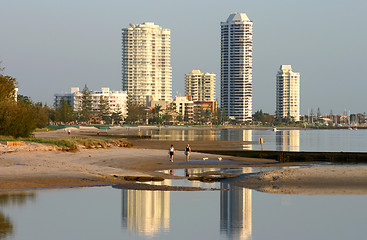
(19, 116)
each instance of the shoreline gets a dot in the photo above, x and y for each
(39, 166)
(208, 127)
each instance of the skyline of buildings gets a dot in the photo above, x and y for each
(93, 56)
(146, 64)
(236, 67)
(147, 74)
(287, 93)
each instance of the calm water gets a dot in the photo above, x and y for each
(108, 213)
(285, 140)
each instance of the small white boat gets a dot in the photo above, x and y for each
(275, 129)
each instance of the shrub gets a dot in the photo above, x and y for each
(17, 119)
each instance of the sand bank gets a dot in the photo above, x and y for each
(308, 180)
(36, 165)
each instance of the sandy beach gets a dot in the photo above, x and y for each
(35, 165)
(40, 166)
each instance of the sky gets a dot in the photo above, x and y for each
(51, 46)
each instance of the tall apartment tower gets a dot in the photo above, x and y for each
(236, 66)
(146, 67)
(287, 95)
(200, 86)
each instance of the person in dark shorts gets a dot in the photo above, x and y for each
(171, 152)
(187, 152)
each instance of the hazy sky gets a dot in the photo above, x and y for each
(51, 46)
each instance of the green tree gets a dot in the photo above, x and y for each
(43, 114)
(86, 112)
(136, 114)
(104, 109)
(167, 118)
(198, 114)
(264, 118)
(169, 114)
(17, 119)
(7, 88)
(116, 117)
(179, 118)
(220, 116)
(25, 99)
(64, 111)
(155, 117)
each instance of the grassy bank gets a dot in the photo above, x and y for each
(73, 144)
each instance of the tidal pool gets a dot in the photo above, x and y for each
(109, 213)
(188, 174)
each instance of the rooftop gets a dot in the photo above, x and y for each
(238, 17)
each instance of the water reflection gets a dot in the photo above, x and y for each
(246, 137)
(146, 212)
(202, 135)
(236, 212)
(6, 226)
(9, 199)
(287, 140)
(184, 135)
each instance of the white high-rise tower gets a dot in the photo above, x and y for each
(146, 66)
(236, 66)
(287, 95)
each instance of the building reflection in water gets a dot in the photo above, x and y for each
(247, 137)
(244, 135)
(146, 212)
(195, 172)
(287, 140)
(236, 212)
(185, 135)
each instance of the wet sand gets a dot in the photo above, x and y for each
(41, 166)
(308, 180)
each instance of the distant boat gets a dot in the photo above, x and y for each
(355, 129)
(350, 128)
(275, 129)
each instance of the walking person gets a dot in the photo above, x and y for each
(171, 152)
(187, 152)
